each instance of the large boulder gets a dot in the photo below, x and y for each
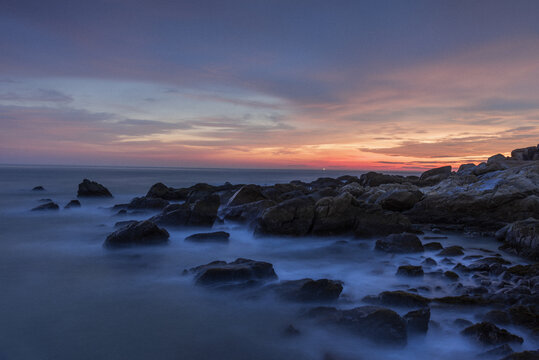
(150, 203)
(378, 324)
(292, 217)
(162, 191)
(522, 237)
(434, 176)
(236, 274)
(335, 215)
(89, 188)
(489, 334)
(400, 200)
(173, 215)
(246, 213)
(398, 298)
(246, 194)
(201, 213)
(309, 290)
(526, 154)
(400, 243)
(137, 233)
(376, 179)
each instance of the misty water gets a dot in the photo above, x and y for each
(64, 296)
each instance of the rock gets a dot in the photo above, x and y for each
(89, 188)
(201, 213)
(462, 322)
(398, 298)
(526, 316)
(335, 215)
(173, 215)
(38, 188)
(497, 317)
(138, 233)
(489, 334)
(400, 200)
(501, 350)
(417, 321)
(246, 194)
(162, 191)
(309, 290)
(47, 206)
(410, 270)
(462, 300)
(72, 204)
(400, 243)
(373, 222)
(451, 275)
(147, 203)
(291, 330)
(217, 236)
(526, 154)
(292, 217)
(522, 237)
(433, 246)
(465, 169)
(325, 182)
(434, 176)
(524, 355)
(246, 213)
(236, 274)
(451, 251)
(429, 262)
(125, 223)
(376, 179)
(378, 324)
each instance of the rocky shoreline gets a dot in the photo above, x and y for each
(498, 199)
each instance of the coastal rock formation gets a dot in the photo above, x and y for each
(378, 324)
(291, 217)
(522, 237)
(417, 321)
(237, 274)
(201, 213)
(137, 233)
(246, 194)
(47, 206)
(89, 188)
(162, 191)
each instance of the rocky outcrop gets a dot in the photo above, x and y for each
(309, 290)
(149, 203)
(237, 274)
(162, 191)
(410, 270)
(217, 236)
(400, 243)
(400, 200)
(201, 213)
(376, 179)
(522, 237)
(378, 324)
(246, 194)
(335, 215)
(434, 176)
(526, 154)
(292, 217)
(246, 213)
(89, 188)
(137, 233)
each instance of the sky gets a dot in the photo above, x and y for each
(395, 85)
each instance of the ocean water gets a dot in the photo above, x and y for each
(64, 296)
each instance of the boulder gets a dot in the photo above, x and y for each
(38, 188)
(309, 290)
(417, 321)
(376, 179)
(137, 233)
(162, 191)
(292, 217)
(239, 273)
(89, 188)
(398, 298)
(246, 213)
(452, 251)
(47, 206)
(400, 200)
(526, 154)
(246, 194)
(410, 270)
(523, 355)
(489, 334)
(151, 203)
(72, 204)
(204, 211)
(400, 243)
(377, 324)
(335, 215)
(173, 215)
(433, 246)
(217, 236)
(434, 176)
(376, 222)
(522, 237)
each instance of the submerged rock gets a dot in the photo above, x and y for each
(410, 270)
(38, 188)
(89, 188)
(400, 243)
(489, 334)
(137, 233)
(217, 236)
(378, 324)
(239, 273)
(47, 206)
(309, 290)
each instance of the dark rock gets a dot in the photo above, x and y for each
(524, 355)
(47, 206)
(125, 223)
(139, 233)
(526, 316)
(462, 300)
(325, 182)
(162, 191)
(89, 188)
(335, 215)
(433, 246)
(489, 334)
(451, 275)
(377, 179)
(451, 251)
(417, 321)
(398, 298)
(526, 154)
(45, 200)
(373, 222)
(292, 217)
(400, 200)
(246, 213)
(217, 236)
(434, 176)
(147, 203)
(239, 273)
(462, 322)
(204, 211)
(497, 317)
(522, 237)
(410, 270)
(429, 262)
(380, 325)
(38, 188)
(309, 290)
(291, 330)
(400, 243)
(174, 215)
(72, 204)
(501, 350)
(246, 194)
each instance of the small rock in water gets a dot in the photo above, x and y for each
(429, 262)
(489, 334)
(451, 251)
(47, 206)
(400, 243)
(433, 246)
(89, 188)
(417, 321)
(38, 188)
(451, 275)
(137, 233)
(291, 330)
(237, 274)
(72, 204)
(217, 236)
(410, 270)
(309, 290)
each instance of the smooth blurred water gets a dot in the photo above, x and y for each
(63, 296)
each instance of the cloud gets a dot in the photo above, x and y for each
(39, 95)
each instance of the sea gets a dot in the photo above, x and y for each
(64, 296)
